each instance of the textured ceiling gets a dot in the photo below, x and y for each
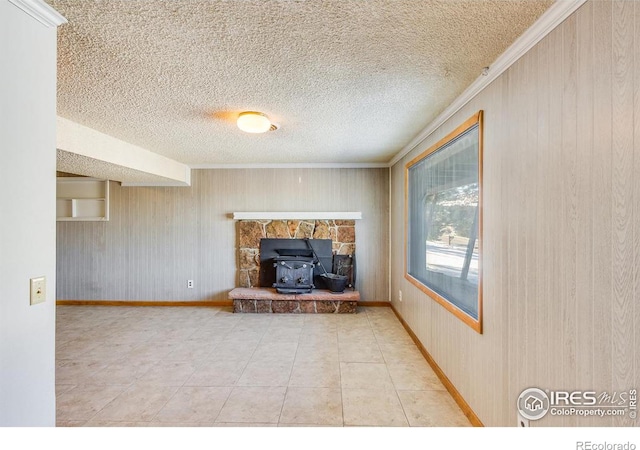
(347, 81)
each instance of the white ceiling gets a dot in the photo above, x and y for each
(347, 81)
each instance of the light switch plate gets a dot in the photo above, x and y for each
(38, 290)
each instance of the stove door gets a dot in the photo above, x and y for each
(296, 275)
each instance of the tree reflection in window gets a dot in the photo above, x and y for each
(443, 208)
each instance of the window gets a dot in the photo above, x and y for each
(444, 222)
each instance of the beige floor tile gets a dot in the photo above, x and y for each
(137, 404)
(306, 425)
(286, 335)
(62, 388)
(70, 423)
(318, 373)
(432, 409)
(318, 352)
(390, 338)
(276, 351)
(360, 351)
(266, 373)
(372, 407)
(288, 320)
(214, 334)
(352, 321)
(253, 405)
(387, 327)
(202, 351)
(155, 423)
(236, 336)
(120, 373)
(168, 373)
(76, 348)
(125, 336)
(172, 335)
(84, 401)
(365, 376)
(194, 404)
(229, 351)
(313, 406)
(414, 377)
(243, 424)
(151, 351)
(105, 423)
(401, 354)
(254, 322)
(353, 335)
(318, 338)
(217, 373)
(108, 352)
(192, 351)
(319, 329)
(77, 371)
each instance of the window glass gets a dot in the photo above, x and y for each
(443, 206)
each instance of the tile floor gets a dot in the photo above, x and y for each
(183, 366)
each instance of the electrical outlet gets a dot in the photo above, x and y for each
(400, 295)
(522, 422)
(190, 284)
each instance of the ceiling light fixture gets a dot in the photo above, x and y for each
(254, 122)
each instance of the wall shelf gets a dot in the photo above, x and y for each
(82, 199)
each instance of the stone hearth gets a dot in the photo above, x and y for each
(341, 232)
(267, 300)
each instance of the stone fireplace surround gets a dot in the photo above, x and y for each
(341, 232)
(247, 297)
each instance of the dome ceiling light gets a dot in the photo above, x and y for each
(255, 122)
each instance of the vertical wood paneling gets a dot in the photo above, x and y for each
(544, 229)
(623, 178)
(552, 188)
(602, 195)
(584, 212)
(528, 158)
(158, 238)
(562, 224)
(513, 198)
(636, 194)
(501, 229)
(569, 205)
(492, 245)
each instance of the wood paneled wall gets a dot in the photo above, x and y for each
(561, 259)
(158, 238)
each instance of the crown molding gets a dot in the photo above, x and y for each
(383, 165)
(551, 18)
(41, 11)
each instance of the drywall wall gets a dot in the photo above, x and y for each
(27, 218)
(157, 238)
(561, 249)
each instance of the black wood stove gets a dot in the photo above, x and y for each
(294, 272)
(289, 265)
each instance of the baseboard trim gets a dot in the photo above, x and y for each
(140, 303)
(374, 304)
(186, 303)
(464, 406)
